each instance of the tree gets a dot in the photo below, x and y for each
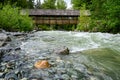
(49, 4)
(30, 4)
(78, 3)
(3, 1)
(38, 4)
(61, 4)
(106, 15)
(19, 3)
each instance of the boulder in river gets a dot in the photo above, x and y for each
(62, 51)
(42, 64)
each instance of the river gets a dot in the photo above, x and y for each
(93, 56)
(98, 52)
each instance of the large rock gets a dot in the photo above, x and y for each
(42, 64)
(62, 51)
(3, 39)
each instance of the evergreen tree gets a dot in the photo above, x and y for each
(19, 3)
(38, 4)
(30, 4)
(49, 4)
(106, 14)
(3, 1)
(61, 4)
(78, 3)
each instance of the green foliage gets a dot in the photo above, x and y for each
(61, 4)
(78, 3)
(97, 8)
(106, 15)
(44, 27)
(8, 17)
(56, 27)
(112, 15)
(19, 3)
(84, 19)
(1, 6)
(25, 23)
(11, 20)
(53, 4)
(30, 4)
(73, 27)
(49, 4)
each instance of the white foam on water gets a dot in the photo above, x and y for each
(75, 41)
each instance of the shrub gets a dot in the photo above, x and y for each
(25, 23)
(11, 20)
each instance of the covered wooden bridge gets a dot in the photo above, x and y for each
(52, 17)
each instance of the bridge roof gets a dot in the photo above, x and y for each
(50, 12)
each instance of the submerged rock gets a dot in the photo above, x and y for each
(42, 64)
(17, 34)
(4, 39)
(35, 77)
(1, 54)
(11, 76)
(9, 57)
(2, 74)
(4, 50)
(24, 79)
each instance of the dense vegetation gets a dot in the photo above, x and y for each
(12, 20)
(105, 15)
(52, 4)
(19, 3)
(47, 4)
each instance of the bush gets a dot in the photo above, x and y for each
(11, 20)
(25, 23)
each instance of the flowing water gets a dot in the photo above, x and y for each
(97, 55)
